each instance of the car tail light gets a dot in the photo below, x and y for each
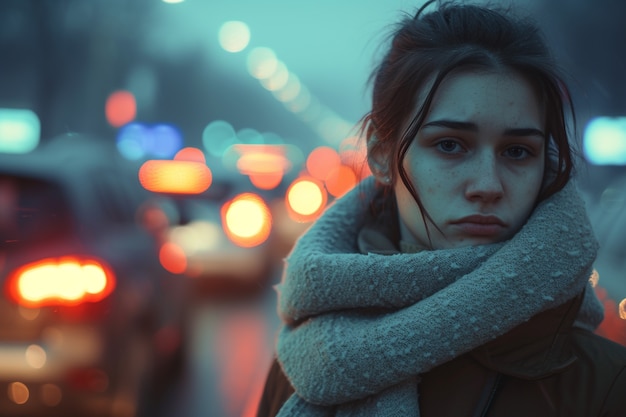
(65, 281)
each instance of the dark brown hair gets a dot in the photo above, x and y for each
(427, 47)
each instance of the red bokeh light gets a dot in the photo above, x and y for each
(120, 108)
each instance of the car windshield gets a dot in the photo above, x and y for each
(31, 212)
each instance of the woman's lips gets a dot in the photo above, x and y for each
(480, 225)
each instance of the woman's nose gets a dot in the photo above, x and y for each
(484, 181)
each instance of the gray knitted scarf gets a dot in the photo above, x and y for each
(358, 328)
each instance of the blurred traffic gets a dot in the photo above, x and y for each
(103, 259)
(90, 318)
(158, 160)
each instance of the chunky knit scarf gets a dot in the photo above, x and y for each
(359, 328)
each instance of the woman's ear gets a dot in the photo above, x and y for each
(378, 159)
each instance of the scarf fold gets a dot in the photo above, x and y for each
(359, 328)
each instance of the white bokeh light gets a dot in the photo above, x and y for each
(234, 36)
(262, 63)
(605, 141)
(278, 79)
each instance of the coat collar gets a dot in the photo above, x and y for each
(535, 349)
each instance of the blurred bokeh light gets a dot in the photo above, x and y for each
(234, 36)
(19, 130)
(120, 108)
(247, 220)
(175, 176)
(306, 198)
(139, 140)
(605, 141)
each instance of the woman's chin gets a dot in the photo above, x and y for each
(465, 241)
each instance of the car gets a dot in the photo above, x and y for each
(223, 231)
(224, 239)
(90, 320)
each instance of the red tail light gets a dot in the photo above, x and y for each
(60, 281)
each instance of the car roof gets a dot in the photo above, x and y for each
(67, 156)
(91, 174)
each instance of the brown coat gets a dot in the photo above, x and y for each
(545, 367)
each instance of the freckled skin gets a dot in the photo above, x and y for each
(494, 167)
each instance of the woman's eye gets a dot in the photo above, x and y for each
(449, 146)
(517, 152)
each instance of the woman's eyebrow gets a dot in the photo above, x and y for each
(524, 131)
(473, 127)
(453, 124)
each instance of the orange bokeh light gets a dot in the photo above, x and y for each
(356, 160)
(176, 177)
(340, 180)
(190, 154)
(321, 161)
(246, 219)
(120, 108)
(264, 164)
(267, 181)
(305, 199)
(173, 258)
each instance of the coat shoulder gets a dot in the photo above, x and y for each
(599, 350)
(605, 362)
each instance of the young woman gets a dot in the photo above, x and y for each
(455, 280)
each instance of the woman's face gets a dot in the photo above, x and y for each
(477, 162)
